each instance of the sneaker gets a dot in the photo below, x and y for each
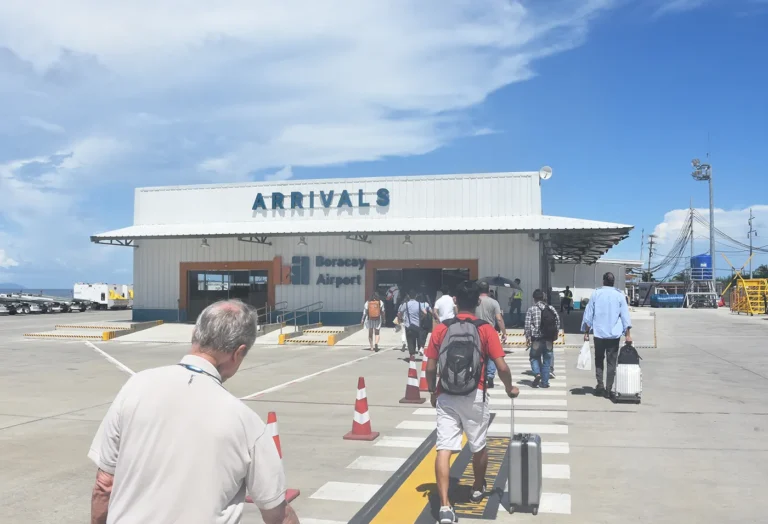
(478, 495)
(447, 515)
(489, 383)
(599, 391)
(376, 348)
(545, 386)
(536, 381)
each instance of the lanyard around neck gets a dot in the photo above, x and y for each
(196, 369)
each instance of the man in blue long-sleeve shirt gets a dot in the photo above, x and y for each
(607, 315)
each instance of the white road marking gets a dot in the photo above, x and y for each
(559, 503)
(555, 448)
(520, 413)
(528, 402)
(556, 471)
(307, 377)
(400, 442)
(428, 425)
(537, 392)
(346, 492)
(500, 428)
(377, 463)
(113, 360)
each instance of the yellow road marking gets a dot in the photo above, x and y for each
(409, 500)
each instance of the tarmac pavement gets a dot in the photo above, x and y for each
(695, 450)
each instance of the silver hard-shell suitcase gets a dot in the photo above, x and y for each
(524, 469)
(628, 384)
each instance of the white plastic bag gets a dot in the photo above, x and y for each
(585, 358)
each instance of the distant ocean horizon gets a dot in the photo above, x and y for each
(54, 292)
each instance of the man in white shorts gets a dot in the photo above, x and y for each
(468, 410)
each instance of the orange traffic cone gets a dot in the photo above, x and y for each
(412, 395)
(423, 382)
(290, 494)
(361, 421)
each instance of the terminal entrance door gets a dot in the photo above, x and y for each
(207, 287)
(426, 281)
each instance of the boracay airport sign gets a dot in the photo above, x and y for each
(321, 200)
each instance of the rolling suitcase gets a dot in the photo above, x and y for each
(628, 384)
(524, 469)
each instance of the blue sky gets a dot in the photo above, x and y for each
(616, 95)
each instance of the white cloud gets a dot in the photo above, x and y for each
(39, 123)
(285, 173)
(678, 6)
(731, 222)
(120, 94)
(6, 261)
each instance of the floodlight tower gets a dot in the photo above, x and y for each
(703, 172)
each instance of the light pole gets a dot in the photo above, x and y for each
(752, 233)
(703, 172)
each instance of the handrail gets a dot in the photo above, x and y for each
(299, 312)
(267, 310)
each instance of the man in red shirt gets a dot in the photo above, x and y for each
(467, 410)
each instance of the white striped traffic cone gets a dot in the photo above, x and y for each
(361, 421)
(412, 395)
(423, 386)
(290, 494)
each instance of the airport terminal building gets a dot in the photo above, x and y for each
(329, 244)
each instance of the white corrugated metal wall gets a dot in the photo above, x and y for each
(156, 263)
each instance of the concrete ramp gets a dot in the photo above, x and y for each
(164, 333)
(94, 330)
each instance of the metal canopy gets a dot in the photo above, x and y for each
(581, 247)
(564, 239)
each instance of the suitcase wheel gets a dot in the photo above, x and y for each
(535, 510)
(511, 508)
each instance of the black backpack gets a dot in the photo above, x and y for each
(548, 326)
(460, 361)
(629, 355)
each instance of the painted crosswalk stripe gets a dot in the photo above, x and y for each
(556, 471)
(346, 491)
(499, 392)
(377, 463)
(500, 428)
(400, 442)
(558, 503)
(528, 402)
(527, 392)
(520, 413)
(555, 448)
(427, 425)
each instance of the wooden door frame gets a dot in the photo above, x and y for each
(272, 267)
(372, 265)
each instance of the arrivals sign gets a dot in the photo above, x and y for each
(321, 200)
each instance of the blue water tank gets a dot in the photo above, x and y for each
(701, 267)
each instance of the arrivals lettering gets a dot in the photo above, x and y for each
(279, 200)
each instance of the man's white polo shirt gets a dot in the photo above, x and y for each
(184, 450)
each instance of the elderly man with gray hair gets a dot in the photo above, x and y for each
(175, 446)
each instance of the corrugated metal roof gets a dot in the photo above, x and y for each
(528, 223)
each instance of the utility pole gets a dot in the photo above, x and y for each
(752, 233)
(690, 268)
(651, 239)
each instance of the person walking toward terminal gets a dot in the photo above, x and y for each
(516, 305)
(175, 446)
(457, 355)
(373, 315)
(489, 310)
(542, 327)
(410, 318)
(567, 300)
(607, 315)
(445, 306)
(425, 321)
